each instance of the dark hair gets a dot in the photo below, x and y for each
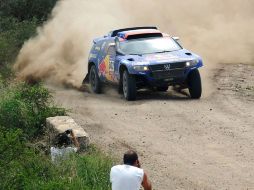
(62, 139)
(130, 157)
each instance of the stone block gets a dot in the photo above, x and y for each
(60, 124)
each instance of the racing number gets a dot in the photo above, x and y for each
(111, 68)
(112, 56)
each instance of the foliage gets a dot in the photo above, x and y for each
(26, 107)
(23, 112)
(12, 36)
(20, 165)
(18, 22)
(27, 9)
(22, 168)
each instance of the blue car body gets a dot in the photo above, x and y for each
(162, 68)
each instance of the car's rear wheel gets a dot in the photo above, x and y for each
(194, 84)
(129, 86)
(94, 80)
(162, 88)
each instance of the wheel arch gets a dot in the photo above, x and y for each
(90, 64)
(122, 68)
(86, 79)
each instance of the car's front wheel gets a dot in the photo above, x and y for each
(129, 86)
(94, 80)
(194, 84)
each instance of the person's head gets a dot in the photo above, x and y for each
(131, 158)
(63, 140)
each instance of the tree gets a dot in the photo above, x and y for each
(27, 9)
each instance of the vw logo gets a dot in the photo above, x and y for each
(167, 67)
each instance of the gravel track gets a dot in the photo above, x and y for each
(183, 143)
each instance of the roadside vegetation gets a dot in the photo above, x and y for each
(23, 112)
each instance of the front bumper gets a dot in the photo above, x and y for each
(159, 79)
(159, 75)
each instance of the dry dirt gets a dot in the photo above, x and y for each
(182, 143)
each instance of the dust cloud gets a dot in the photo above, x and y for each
(219, 31)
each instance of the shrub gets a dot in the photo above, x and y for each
(26, 107)
(19, 164)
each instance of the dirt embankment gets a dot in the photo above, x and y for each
(183, 143)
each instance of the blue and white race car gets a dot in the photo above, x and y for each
(142, 57)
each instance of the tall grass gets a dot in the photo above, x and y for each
(90, 171)
(26, 169)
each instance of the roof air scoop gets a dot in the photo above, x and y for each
(188, 53)
(114, 33)
(130, 59)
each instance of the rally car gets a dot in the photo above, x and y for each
(142, 57)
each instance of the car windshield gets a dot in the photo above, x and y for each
(148, 46)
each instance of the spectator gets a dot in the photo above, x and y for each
(64, 145)
(129, 176)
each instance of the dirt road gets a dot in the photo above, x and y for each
(183, 143)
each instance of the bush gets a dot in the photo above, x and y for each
(26, 107)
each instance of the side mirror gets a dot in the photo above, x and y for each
(176, 38)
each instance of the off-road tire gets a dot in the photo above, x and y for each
(120, 86)
(194, 84)
(94, 80)
(129, 86)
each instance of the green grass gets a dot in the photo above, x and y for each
(26, 169)
(90, 171)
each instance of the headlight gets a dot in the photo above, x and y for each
(141, 68)
(192, 63)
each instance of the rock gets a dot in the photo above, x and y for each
(60, 124)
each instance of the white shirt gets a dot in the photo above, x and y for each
(125, 177)
(61, 153)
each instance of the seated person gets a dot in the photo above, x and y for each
(65, 144)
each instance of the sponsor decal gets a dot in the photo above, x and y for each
(106, 69)
(167, 67)
(104, 66)
(94, 56)
(161, 57)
